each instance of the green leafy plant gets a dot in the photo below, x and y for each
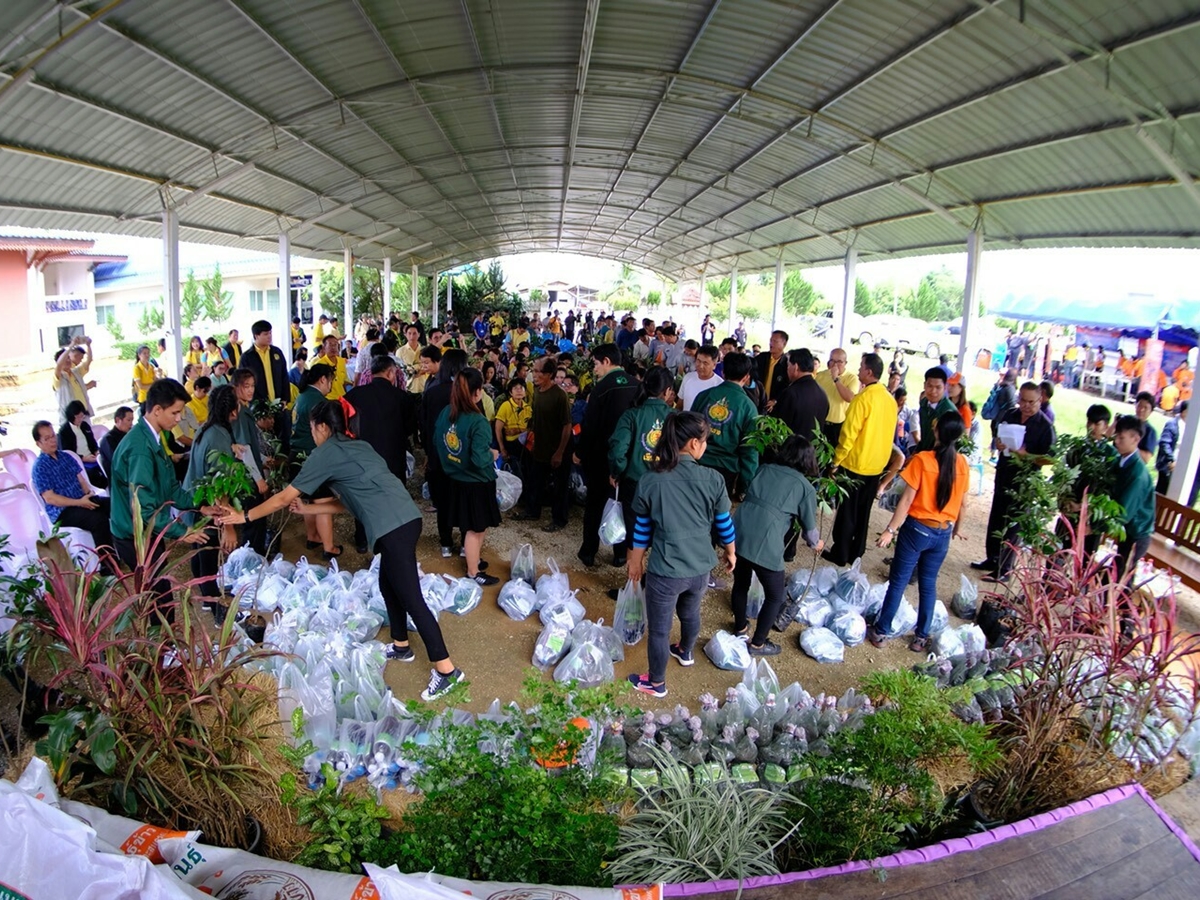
(342, 824)
(114, 328)
(153, 317)
(702, 830)
(217, 302)
(227, 481)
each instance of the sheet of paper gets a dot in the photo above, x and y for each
(1011, 436)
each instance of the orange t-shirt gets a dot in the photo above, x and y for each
(921, 474)
(965, 412)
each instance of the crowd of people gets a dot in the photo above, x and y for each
(630, 410)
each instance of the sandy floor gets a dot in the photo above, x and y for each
(495, 651)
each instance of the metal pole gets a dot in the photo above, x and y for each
(433, 311)
(347, 292)
(843, 315)
(777, 305)
(970, 294)
(170, 237)
(413, 285)
(281, 332)
(387, 289)
(733, 295)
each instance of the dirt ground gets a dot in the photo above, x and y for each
(495, 652)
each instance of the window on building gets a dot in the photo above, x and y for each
(105, 314)
(256, 301)
(273, 300)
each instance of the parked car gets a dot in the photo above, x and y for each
(915, 336)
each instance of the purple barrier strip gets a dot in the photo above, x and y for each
(937, 851)
(1170, 823)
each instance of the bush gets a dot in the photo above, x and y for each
(128, 349)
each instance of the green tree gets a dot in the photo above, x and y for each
(191, 303)
(800, 298)
(366, 291)
(476, 291)
(218, 302)
(883, 300)
(718, 289)
(939, 297)
(652, 300)
(625, 287)
(153, 317)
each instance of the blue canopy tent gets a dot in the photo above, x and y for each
(1132, 315)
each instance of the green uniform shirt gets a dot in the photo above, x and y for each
(730, 415)
(212, 443)
(928, 415)
(631, 447)
(246, 431)
(682, 505)
(464, 446)
(551, 412)
(763, 521)
(141, 463)
(302, 439)
(1134, 490)
(363, 482)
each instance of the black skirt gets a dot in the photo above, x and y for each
(473, 505)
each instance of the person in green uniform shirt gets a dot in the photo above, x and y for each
(315, 384)
(780, 491)
(632, 445)
(934, 404)
(677, 504)
(1133, 488)
(141, 467)
(463, 441)
(213, 439)
(730, 414)
(364, 486)
(246, 433)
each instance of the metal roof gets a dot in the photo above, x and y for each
(678, 135)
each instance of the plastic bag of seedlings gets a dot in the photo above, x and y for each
(800, 582)
(433, 589)
(947, 643)
(850, 627)
(587, 663)
(728, 652)
(522, 564)
(822, 645)
(284, 569)
(973, 639)
(508, 490)
(601, 635)
(553, 642)
(941, 618)
(629, 617)
(814, 612)
(553, 585)
(241, 562)
(518, 599)
(875, 597)
(755, 598)
(564, 603)
(905, 619)
(851, 582)
(965, 602)
(612, 523)
(462, 595)
(314, 694)
(362, 625)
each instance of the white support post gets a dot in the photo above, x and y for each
(842, 315)
(703, 302)
(415, 293)
(970, 296)
(433, 312)
(387, 289)
(170, 239)
(281, 322)
(348, 293)
(777, 305)
(733, 297)
(1186, 459)
(449, 295)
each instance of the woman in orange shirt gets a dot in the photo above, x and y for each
(928, 513)
(956, 390)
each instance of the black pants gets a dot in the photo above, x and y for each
(96, 475)
(545, 483)
(401, 589)
(1129, 551)
(255, 533)
(852, 519)
(94, 521)
(774, 584)
(1164, 482)
(832, 431)
(161, 588)
(599, 492)
(440, 486)
(205, 564)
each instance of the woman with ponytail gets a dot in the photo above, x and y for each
(678, 504)
(463, 440)
(930, 509)
(315, 383)
(364, 486)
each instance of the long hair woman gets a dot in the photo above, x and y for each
(314, 385)
(678, 504)
(364, 486)
(214, 438)
(956, 390)
(780, 492)
(929, 511)
(463, 440)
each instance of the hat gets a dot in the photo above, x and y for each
(955, 378)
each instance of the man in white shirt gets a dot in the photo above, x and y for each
(702, 379)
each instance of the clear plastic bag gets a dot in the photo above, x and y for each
(588, 664)
(851, 581)
(948, 643)
(462, 595)
(905, 619)
(553, 643)
(565, 605)
(601, 635)
(814, 612)
(941, 618)
(728, 652)
(523, 566)
(850, 627)
(973, 639)
(629, 618)
(553, 585)
(241, 562)
(508, 490)
(965, 603)
(518, 599)
(822, 645)
(755, 598)
(612, 523)
(314, 694)
(433, 591)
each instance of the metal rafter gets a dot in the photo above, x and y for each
(590, 14)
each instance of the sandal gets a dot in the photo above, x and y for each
(331, 554)
(919, 645)
(876, 637)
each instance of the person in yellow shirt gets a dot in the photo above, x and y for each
(195, 351)
(320, 331)
(195, 412)
(409, 354)
(840, 387)
(863, 450)
(297, 336)
(329, 356)
(144, 374)
(1183, 376)
(212, 355)
(512, 423)
(496, 326)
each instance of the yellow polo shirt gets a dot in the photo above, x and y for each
(865, 444)
(338, 389)
(264, 353)
(837, 406)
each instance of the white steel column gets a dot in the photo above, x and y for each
(281, 322)
(449, 295)
(1186, 459)
(433, 307)
(170, 239)
(704, 302)
(777, 305)
(348, 293)
(970, 296)
(413, 284)
(842, 316)
(733, 297)
(387, 289)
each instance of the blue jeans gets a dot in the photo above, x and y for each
(664, 598)
(922, 548)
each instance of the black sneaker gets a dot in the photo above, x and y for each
(440, 684)
(646, 686)
(400, 654)
(447, 552)
(484, 580)
(768, 648)
(619, 562)
(361, 548)
(588, 561)
(685, 658)
(984, 565)
(553, 527)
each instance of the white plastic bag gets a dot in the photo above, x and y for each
(941, 618)
(965, 603)
(564, 603)
(755, 598)
(849, 626)
(905, 619)
(728, 652)
(462, 595)
(553, 585)
(629, 618)
(973, 638)
(508, 490)
(553, 642)
(587, 663)
(851, 581)
(312, 693)
(822, 645)
(814, 611)
(948, 643)
(522, 564)
(518, 599)
(612, 523)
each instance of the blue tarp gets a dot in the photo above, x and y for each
(1134, 315)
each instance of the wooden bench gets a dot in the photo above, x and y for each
(1176, 541)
